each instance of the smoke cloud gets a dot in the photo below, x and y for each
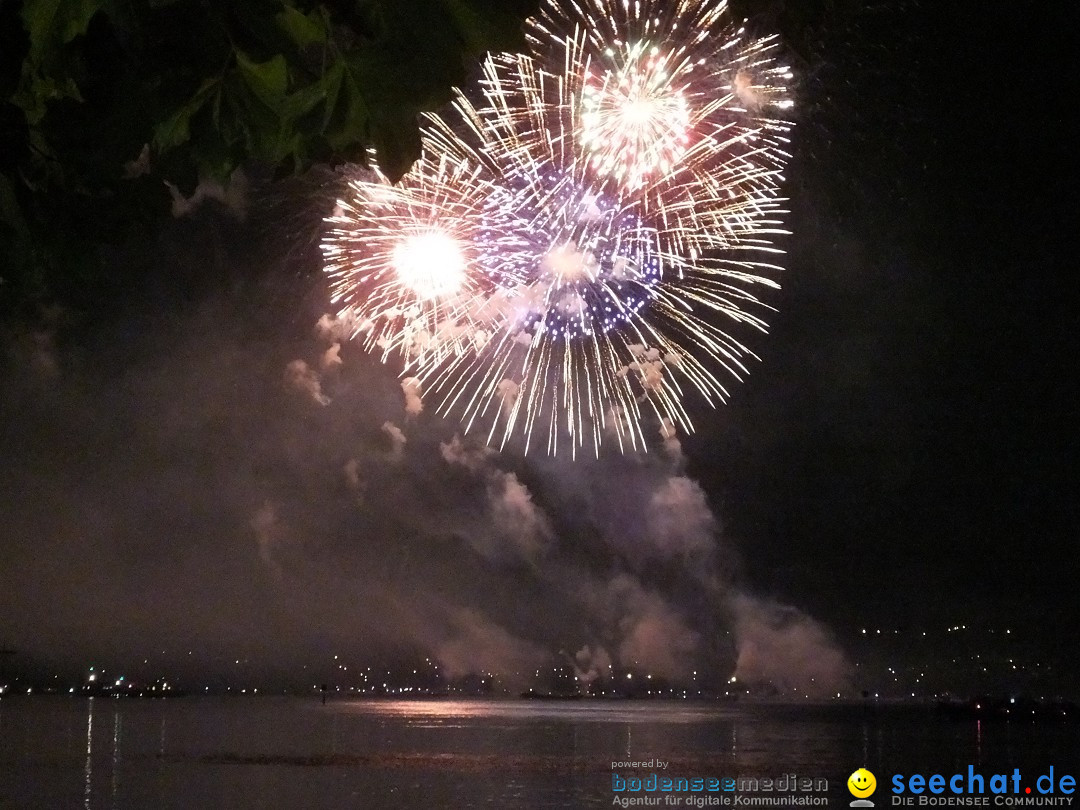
(410, 386)
(226, 514)
(331, 357)
(784, 648)
(478, 645)
(304, 378)
(268, 534)
(397, 439)
(515, 528)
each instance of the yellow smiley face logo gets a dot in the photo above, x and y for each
(861, 783)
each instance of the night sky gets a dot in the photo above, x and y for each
(904, 455)
(928, 337)
(914, 417)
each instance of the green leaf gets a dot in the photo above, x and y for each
(300, 103)
(303, 29)
(348, 122)
(173, 131)
(56, 22)
(268, 80)
(176, 129)
(332, 87)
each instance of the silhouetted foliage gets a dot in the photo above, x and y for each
(102, 102)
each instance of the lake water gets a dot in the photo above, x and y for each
(269, 752)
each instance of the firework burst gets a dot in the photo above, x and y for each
(674, 106)
(411, 265)
(595, 213)
(635, 123)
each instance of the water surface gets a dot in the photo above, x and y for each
(280, 752)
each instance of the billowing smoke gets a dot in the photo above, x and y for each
(653, 635)
(671, 438)
(268, 534)
(335, 328)
(226, 511)
(352, 475)
(679, 520)
(331, 357)
(304, 378)
(786, 650)
(514, 528)
(591, 665)
(232, 194)
(410, 386)
(397, 439)
(476, 644)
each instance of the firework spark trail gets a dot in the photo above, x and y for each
(404, 260)
(607, 197)
(677, 105)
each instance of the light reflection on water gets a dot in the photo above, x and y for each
(295, 752)
(89, 768)
(612, 711)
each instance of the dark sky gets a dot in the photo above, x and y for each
(914, 418)
(905, 453)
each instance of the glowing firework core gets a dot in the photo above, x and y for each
(582, 236)
(568, 264)
(431, 264)
(634, 121)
